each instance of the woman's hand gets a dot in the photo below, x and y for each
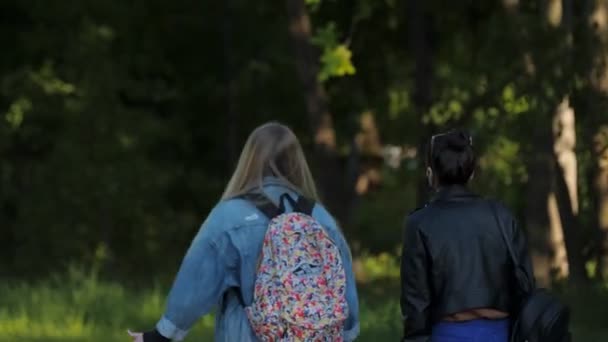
(137, 336)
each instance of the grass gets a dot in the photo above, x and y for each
(78, 307)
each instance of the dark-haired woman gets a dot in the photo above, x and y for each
(457, 279)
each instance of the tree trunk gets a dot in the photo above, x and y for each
(538, 203)
(541, 210)
(596, 41)
(564, 143)
(232, 117)
(557, 249)
(328, 166)
(420, 44)
(600, 153)
(369, 150)
(568, 259)
(306, 60)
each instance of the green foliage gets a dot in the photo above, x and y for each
(17, 111)
(513, 104)
(47, 80)
(384, 266)
(335, 57)
(503, 160)
(314, 4)
(120, 121)
(336, 61)
(399, 103)
(380, 320)
(380, 216)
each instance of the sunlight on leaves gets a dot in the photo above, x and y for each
(313, 4)
(365, 9)
(326, 36)
(449, 106)
(336, 62)
(381, 266)
(591, 268)
(50, 83)
(105, 32)
(95, 33)
(101, 255)
(16, 112)
(443, 112)
(444, 70)
(502, 159)
(398, 102)
(335, 58)
(125, 140)
(455, 106)
(391, 3)
(481, 86)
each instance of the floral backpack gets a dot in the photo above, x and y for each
(300, 283)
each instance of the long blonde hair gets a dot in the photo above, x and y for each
(271, 150)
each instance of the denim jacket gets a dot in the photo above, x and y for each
(219, 270)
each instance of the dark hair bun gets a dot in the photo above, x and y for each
(451, 157)
(457, 141)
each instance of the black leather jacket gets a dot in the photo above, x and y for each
(455, 259)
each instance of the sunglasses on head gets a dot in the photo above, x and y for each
(442, 134)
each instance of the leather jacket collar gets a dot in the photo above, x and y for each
(454, 193)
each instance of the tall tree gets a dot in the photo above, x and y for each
(564, 200)
(420, 28)
(596, 43)
(230, 84)
(565, 228)
(540, 208)
(306, 58)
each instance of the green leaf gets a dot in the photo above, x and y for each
(336, 57)
(313, 4)
(46, 79)
(326, 37)
(336, 62)
(16, 112)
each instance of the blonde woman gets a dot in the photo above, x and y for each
(219, 269)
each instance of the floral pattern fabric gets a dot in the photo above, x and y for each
(300, 285)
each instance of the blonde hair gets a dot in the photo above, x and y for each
(271, 150)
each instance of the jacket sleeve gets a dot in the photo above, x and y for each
(415, 291)
(351, 326)
(198, 285)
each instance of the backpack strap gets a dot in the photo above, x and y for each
(302, 205)
(270, 210)
(263, 204)
(305, 205)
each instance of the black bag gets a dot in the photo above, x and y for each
(542, 317)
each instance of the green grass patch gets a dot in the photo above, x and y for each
(79, 307)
